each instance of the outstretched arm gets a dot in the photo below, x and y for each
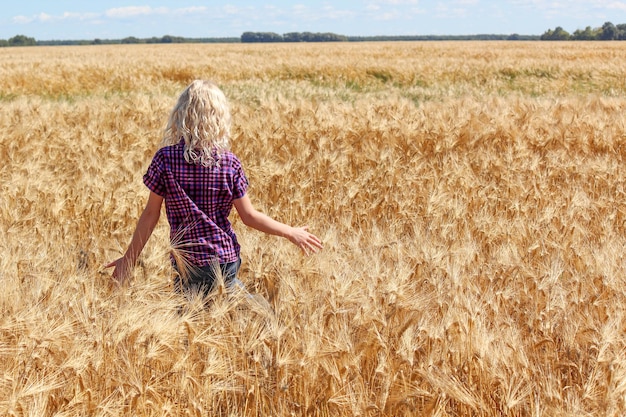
(145, 226)
(299, 236)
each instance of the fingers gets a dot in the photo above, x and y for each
(115, 263)
(314, 243)
(118, 277)
(120, 271)
(309, 243)
(118, 281)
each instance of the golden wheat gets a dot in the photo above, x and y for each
(469, 195)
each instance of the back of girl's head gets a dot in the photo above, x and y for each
(201, 117)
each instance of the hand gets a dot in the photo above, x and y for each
(308, 242)
(121, 270)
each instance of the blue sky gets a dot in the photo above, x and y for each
(70, 19)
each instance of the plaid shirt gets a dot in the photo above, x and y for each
(198, 201)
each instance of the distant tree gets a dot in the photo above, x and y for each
(131, 39)
(292, 37)
(313, 37)
(308, 37)
(609, 32)
(558, 34)
(585, 35)
(329, 37)
(248, 37)
(165, 39)
(97, 41)
(21, 40)
(547, 35)
(251, 37)
(3, 43)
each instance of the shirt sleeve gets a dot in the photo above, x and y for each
(153, 178)
(240, 181)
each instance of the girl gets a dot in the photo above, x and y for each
(200, 181)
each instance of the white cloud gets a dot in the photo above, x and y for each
(22, 20)
(451, 10)
(79, 16)
(191, 10)
(330, 12)
(232, 10)
(45, 17)
(581, 10)
(392, 15)
(113, 13)
(376, 5)
(299, 8)
(398, 2)
(388, 10)
(132, 11)
(616, 5)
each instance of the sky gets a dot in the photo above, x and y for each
(88, 20)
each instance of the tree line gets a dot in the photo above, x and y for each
(21, 40)
(18, 40)
(251, 37)
(608, 32)
(478, 37)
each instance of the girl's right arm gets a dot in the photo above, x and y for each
(299, 236)
(145, 225)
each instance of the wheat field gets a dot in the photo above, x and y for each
(470, 197)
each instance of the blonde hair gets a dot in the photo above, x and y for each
(202, 118)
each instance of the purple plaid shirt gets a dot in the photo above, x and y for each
(198, 201)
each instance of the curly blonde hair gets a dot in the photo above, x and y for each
(202, 118)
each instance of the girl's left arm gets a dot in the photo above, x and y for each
(145, 225)
(299, 236)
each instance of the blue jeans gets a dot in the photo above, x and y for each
(202, 279)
